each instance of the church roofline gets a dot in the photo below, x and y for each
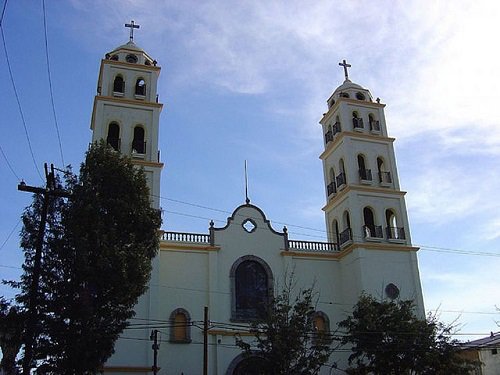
(231, 218)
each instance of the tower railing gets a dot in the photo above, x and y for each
(373, 231)
(331, 188)
(340, 179)
(385, 177)
(395, 233)
(357, 123)
(328, 136)
(345, 236)
(365, 174)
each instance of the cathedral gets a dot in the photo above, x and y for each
(234, 268)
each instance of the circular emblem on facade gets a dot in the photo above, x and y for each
(131, 59)
(249, 225)
(392, 291)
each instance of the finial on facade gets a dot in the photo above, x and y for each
(378, 100)
(247, 200)
(211, 224)
(285, 229)
(345, 65)
(132, 26)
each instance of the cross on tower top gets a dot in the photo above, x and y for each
(345, 65)
(133, 26)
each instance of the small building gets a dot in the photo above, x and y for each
(485, 351)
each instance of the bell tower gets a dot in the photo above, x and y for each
(365, 210)
(126, 111)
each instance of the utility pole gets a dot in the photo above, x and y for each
(49, 191)
(155, 347)
(205, 341)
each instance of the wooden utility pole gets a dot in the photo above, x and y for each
(49, 191)
(205, 341)
(155, 347)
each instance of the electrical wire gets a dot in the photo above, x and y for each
(10, 234)
(9, 165)
(3, 12)
(19, 104)
(50, 81)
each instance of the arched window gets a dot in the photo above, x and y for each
(346, 234)
(251, 281)
(336, 127)
(393, 231)
(243, 364)
(374, 124)
(370, 229)
(180, 326)
(357, 122)
(114, 58)
(383, 175)
(138, 143)
(341, 178)
(140, 87)
(364, 173)
(113, 138)
(321, 328)
(360, 96)
(331, 189)
(335, 232)
(119, 85)
(344, 95)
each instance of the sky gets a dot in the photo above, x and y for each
(249, 80)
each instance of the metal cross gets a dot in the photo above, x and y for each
(133, 26)
(345, 65)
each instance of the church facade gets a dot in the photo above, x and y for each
(237, 267)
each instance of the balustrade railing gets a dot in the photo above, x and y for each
(186, 237)
(313, 246)
(395, 233)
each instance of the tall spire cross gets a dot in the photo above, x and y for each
(133, 26)
(345, 65)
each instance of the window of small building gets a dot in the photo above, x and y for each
(321, 328)
(180, 326)
(344, 95)
(360, 96)
(114, 58)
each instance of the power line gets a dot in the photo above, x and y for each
(8, 164)
(50, 81)
(3, 12)
(10, 234)
(19, 104)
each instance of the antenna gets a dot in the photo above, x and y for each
(247, 200)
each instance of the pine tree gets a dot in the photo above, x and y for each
(96, 262)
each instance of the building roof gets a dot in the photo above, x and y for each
(486, 342)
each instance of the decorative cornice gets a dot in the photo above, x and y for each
(363, 189)
(340, 136)
(130, 65)
(186, 246)
(128, 101)
(127, 369)
(146, 163)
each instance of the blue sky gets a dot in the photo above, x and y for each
(249, 80)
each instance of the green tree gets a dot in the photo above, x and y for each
(96, 261)
(11, 330)
(386, 337)
(286, 341)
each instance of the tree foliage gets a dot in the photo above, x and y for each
(96, 261)
(11, 330)
(286, 341)
(388, 338)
